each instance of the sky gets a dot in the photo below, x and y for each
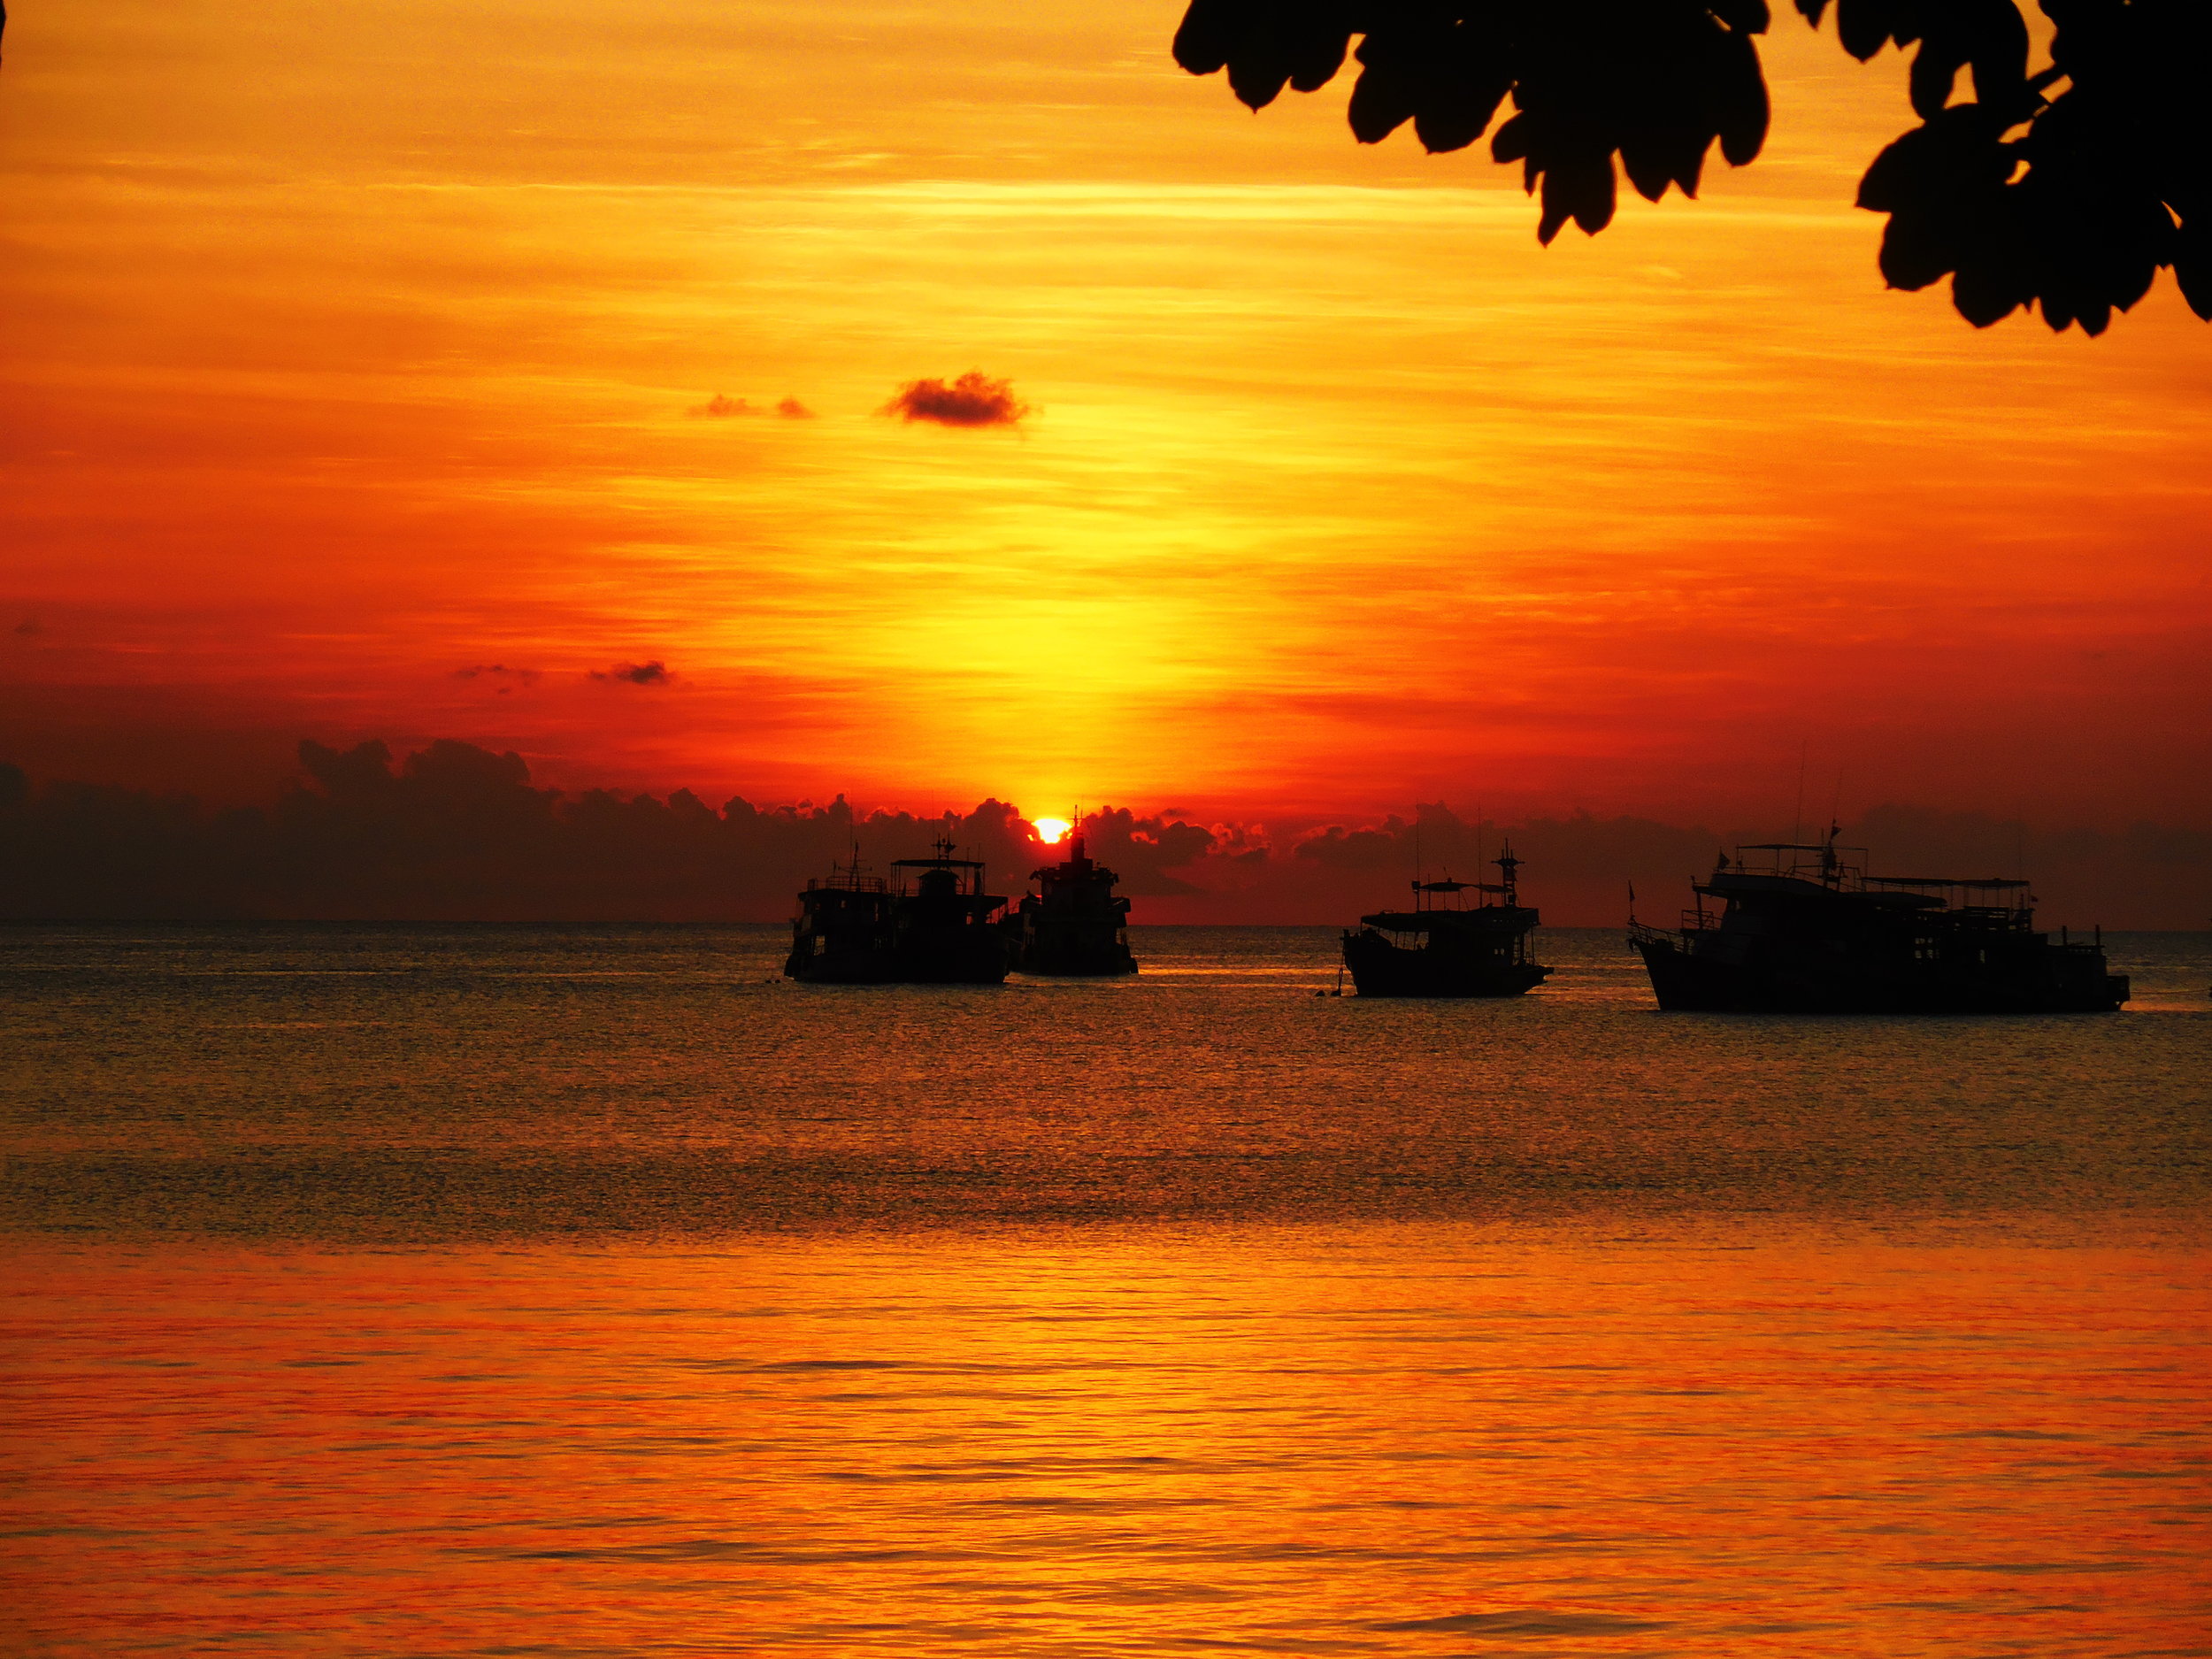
(528, 374)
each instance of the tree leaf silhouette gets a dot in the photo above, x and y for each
(2065, 190)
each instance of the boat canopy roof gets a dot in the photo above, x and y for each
(1985, 884)
(937, 863)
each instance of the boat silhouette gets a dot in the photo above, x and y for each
(1448, 945)
(1074, 923)
(1802, 930)
(857, 929)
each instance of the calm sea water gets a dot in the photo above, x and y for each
(572, 1291)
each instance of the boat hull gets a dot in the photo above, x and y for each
(1686, 982)
(848, 967)
(1380, 968)
(1064, 970)
(1074, 953)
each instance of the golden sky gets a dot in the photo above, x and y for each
(347, 348)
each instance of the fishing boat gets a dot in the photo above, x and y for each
(1801, 929)
(858, 929)
(1074, 923)
(1448, 944)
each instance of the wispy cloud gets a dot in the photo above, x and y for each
(502, 678)
(652, 674)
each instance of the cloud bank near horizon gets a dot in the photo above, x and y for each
(453, 831)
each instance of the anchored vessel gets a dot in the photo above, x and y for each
(1802, 930)
(1447, 945)
(1074, 923)
(856, 929)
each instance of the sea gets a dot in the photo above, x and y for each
(593, 1291)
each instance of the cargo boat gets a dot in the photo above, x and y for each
(1804, 930)
(1448, 945)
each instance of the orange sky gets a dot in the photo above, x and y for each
(346, 348)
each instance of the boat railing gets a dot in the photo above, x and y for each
(846, 884)
(1954, 890)
(1804, 861)
(1997, 914)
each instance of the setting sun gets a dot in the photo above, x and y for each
(1051, 829)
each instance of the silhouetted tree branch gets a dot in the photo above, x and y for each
(2065, 188)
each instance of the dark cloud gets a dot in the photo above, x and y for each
(454, 832)
(720, 408)
(1345, 848)
(30, 628)
(499, 671)
(973, 400)
(1143, 850)
(791, 409)
(652, 674)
